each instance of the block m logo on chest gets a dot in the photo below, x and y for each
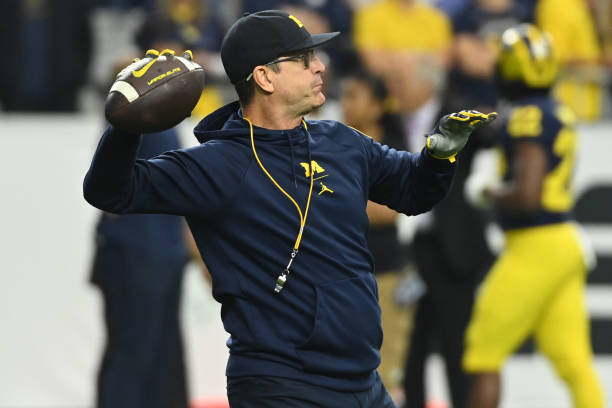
(314, 166)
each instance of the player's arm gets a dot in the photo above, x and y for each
(525, 191)
(525, 130)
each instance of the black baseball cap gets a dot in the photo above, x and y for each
(258, 38)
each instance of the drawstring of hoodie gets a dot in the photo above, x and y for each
(308, 149)
(282, 278)
(293, 160)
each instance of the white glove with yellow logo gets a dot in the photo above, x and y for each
(452, 132)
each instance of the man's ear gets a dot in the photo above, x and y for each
(262, 78)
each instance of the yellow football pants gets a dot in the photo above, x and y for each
(537, 288)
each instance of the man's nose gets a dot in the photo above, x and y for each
(317, 65)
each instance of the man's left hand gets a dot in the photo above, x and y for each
(452, 132)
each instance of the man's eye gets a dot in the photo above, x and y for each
(307, 58)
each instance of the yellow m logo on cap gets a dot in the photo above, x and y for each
(296, 21)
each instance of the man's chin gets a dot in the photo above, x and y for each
(319, 100)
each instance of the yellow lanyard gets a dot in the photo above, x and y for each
(282, 278)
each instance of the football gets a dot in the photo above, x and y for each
(155, 93)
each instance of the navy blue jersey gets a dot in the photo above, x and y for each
(546, 122)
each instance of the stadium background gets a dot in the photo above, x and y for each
(51, 320)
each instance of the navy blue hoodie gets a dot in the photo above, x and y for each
(324, 327)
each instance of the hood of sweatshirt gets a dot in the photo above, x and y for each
(227, 122)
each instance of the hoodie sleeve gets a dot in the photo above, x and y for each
(191, 182)
(410, 183)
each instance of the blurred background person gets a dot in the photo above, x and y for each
(128, 4)
(537, 285)
(573, 30)
(450, 246)
(603, 18)
(407, 43)
(138, 266)
(477, 27)
(192, 24)
(452, 255)
(50, 45)
(124, 27)
(364, 102)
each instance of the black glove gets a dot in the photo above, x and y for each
(452, 132)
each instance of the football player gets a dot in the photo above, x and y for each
(536, 287)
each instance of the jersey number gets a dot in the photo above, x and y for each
(556, 194)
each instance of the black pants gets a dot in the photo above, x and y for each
(276, 392)
(142, 365)
(440, 322)
(441, 319)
